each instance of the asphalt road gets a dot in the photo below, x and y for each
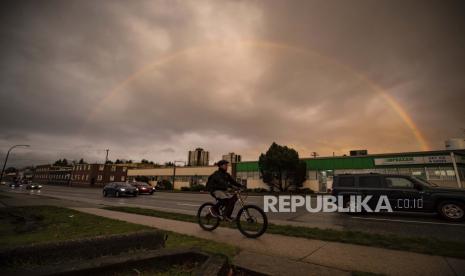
(412, 225)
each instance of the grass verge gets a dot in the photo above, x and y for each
(39, 224)
(414, 244)
(3, 195)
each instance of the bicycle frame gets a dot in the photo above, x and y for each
(241, 202)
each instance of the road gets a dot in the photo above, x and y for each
(412, 225)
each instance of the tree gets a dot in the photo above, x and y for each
(60, 162)
(81, 161)
(169, 164)
(11, 170)
(119, 161)
(280, 168)
(109, 162)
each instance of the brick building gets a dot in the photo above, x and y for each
(49, 174)
(41, 174)
(97, 175)
(60, 175)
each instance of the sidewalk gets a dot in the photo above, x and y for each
(314, 257)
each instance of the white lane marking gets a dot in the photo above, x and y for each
(186, 204)
(412, 221)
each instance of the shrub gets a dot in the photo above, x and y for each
(257, 190)
(184, 188)
(198, 187)
(305, 191)
(164, 185)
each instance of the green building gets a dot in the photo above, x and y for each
(445, 168)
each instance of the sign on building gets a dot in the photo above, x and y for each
(413, 160)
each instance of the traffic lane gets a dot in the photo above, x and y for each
(196, 199)
(399, 224)
(142, 201)
(188, 200)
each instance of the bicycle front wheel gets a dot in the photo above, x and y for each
(252, 221)
(205, 218)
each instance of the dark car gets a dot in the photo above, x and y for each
(404, 193)
(143, 188)
(118, 189)
(15, 184)
(33, 186)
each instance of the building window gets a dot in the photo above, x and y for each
(87, 177)
(99, 177)
(123, 178)
(101, 167)
(112, 178)
(113, 168)
(125, 169)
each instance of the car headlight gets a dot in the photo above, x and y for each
(123, 189)
(40, 186)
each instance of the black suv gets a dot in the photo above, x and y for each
(404, 193)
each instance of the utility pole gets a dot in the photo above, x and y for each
(106, 157)
(314, 154)
(6, 159)
(174, 170)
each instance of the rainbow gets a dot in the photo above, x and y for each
(391, 101)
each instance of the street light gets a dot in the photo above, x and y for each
(174, 170)
(6, 159)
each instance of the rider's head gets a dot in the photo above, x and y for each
(223, 165)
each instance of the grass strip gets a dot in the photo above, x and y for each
(414, 244)
(40, 224)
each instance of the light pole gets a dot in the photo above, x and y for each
(174, 170)
(6, 158)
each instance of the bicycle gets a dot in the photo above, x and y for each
(250, 220)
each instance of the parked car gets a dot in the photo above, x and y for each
(143, 188)
(404, 193)
(33, 186)
(118, 189)
(15, 185)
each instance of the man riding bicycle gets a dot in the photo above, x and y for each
(218, 184)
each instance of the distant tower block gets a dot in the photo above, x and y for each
(232, 157)
(198, 157)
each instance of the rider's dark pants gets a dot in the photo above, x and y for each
(228, 202)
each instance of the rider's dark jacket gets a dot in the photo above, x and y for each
(221, 180)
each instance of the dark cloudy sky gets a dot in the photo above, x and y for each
(227, 76)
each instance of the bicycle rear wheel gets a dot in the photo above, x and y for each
(251, 221)
(205, 219)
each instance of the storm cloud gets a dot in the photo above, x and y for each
(154, 79)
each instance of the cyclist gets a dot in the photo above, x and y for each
(218, 184)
